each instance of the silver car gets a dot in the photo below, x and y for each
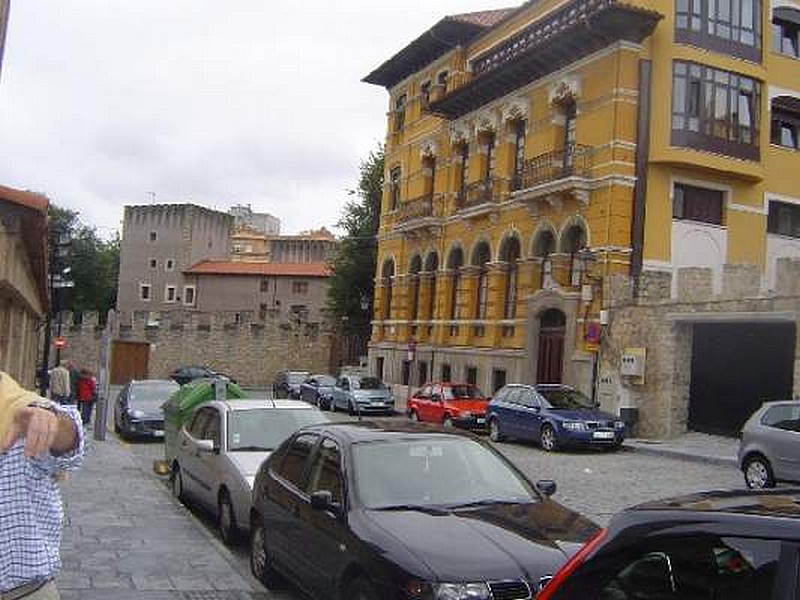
(358, 394)
(220, 448)
(770, 448)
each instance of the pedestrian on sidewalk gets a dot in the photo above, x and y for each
(39, 440)
(60, 389)
(87, 393)
(74, 376)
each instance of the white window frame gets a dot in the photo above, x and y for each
(194, 295)
(142, 286)
(174, 289)
(169, 264)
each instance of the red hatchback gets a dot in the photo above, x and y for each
(451, 404)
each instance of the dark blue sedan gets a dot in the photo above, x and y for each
(554, 416)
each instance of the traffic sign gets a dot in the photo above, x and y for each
(60, 342)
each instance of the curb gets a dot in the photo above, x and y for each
(654, 450)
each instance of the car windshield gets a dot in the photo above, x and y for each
(151, 395)
(368, 383)
(297, 377)
(462, 392)
(325, 380)
(566, 399)
(265, 428)
(434, 471)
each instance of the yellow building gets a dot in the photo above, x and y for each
(535, 155)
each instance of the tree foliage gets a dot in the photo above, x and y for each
(352, 282)
(92, 261)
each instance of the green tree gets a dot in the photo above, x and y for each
(93, 262)
(353, 280)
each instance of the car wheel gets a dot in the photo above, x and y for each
(260, 561)
(494, 431)
(758, 473)
(447, 423)
(226, 519)
(548, 440)
(177, 484)
(360, 589)
(413, 416)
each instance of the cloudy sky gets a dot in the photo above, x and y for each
(216, 102)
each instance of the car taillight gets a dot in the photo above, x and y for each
(549, 590)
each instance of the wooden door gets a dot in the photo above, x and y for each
(551, 355)
(129, 360)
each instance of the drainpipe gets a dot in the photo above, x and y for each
(640, 187)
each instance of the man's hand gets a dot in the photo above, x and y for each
(43, 430)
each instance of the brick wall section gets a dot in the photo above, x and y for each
(248, 350)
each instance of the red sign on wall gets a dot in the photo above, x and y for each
(60, 342)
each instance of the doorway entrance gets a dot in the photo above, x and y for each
(552, 325)
(129, 360)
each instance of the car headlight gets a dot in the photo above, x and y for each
(136, 414)
(574, 425)
(461, 591)
(619, 425)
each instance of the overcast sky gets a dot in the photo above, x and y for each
(216, 102)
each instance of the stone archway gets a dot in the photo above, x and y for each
(542, 320)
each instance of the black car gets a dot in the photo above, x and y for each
(716, 545)
(184, 375)
(318, 390)
(287, 383)
(137, 410)
(381, 511)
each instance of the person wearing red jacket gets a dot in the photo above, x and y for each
(86, 394)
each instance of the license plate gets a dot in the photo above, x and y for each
(158, 433)
(376, 403)
(480, 420)
(603, 435)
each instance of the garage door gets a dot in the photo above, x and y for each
(736, 367)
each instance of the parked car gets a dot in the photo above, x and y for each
(287, 383)
(184, 375)
(769, 450)
(362, 394)
(451, 404)
(222, 445)
(137, 409)
(377, 510)
(715, 545)
(553, 415)
(318, 390)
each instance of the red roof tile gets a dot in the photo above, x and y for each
(231, 267)
(27, 199)
(484, 18)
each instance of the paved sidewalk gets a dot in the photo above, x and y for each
(693, 446)
(126, 539)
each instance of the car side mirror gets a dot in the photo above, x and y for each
(323, 500)
(206, 446)
(546, 486)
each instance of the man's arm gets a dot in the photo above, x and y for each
(45, 428)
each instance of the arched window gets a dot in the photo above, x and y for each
(431, 266)
(574, 239)
(454, 264)
(509, 253)
(480, 258)
(544, 244)
(414, 269)
(387, 273)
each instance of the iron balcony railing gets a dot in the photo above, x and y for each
(476, 193)
(574, 160)
(418, 208)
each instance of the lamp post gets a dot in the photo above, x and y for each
(588, 258)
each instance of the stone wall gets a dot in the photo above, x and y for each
(249, 350)
(663, 326)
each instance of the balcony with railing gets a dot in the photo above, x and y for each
(478, 196)
(567, 170)
(422, 211)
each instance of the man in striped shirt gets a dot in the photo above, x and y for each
(38, 440)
